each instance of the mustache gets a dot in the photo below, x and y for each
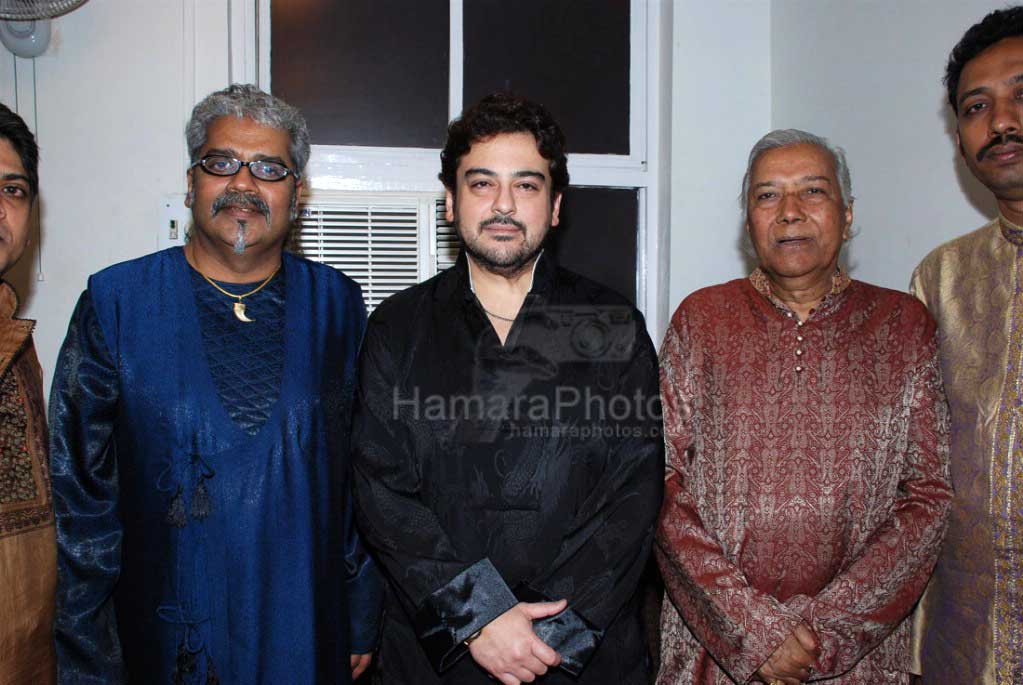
(1000, 140)
(503, 221)
(236, 199)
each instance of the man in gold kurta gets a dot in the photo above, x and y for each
(28, 552)
(970, 627)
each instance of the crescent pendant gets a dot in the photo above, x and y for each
(239, 312)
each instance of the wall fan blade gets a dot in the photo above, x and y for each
(25, 10)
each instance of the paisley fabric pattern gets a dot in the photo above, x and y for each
(25, 502)
(17, 481)
(969, 625)
(27, 543)
(807, 480)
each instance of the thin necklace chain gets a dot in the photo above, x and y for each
(242, 296)
(496, 316)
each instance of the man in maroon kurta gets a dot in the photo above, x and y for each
(807, 484)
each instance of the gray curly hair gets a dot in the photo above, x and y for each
(248, 101)
(793, 136)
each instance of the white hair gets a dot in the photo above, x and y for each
(793, 136)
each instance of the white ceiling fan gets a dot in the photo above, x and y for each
(25, 24)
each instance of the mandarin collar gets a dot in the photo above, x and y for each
(8, 300)
(840, 281)
(13, 332)
(1010, 231)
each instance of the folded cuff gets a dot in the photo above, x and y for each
(455, 611)
(571, 636)
(567, 633)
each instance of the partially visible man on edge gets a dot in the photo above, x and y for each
(27, 547)
(970, 627)
(200, 422)
(509, 462)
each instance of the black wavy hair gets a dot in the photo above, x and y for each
(14, 131)
(505, 113)
(996, 26)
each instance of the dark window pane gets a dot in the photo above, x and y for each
(364, 72)
(570, 55)
(597, 236)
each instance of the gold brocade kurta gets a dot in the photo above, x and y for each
(970, 625)
(28, 551)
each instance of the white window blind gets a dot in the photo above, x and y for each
(378, 239)
(447, 239)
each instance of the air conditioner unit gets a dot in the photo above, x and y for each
(385, 241)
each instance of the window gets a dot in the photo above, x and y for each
(605, 217)
(571, 55)
(378, 80)
(364, 72)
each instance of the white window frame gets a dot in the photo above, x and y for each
(414, 170)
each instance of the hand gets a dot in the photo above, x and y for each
(791, 662)
(360, 662)
(510, 651)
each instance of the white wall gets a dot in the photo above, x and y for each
(113, 92)
(867, 75)
(111, 96)
(721, 104)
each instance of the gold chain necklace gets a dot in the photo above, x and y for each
(239, 306)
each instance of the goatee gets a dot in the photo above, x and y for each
(239, 243)
(506, 264)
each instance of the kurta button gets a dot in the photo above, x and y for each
(798, 369)
(799, 338)
(799, 323)
(799, 353)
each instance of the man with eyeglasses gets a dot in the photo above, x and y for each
(199, 415)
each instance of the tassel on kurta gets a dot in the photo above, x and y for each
(201, 502)
(176, 512)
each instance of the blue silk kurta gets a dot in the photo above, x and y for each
(272, 585)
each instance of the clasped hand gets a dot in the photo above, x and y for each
(510, 651)
(791, 662)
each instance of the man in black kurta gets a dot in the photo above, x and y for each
(507, 437)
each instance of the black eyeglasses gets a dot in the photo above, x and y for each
(263, 169)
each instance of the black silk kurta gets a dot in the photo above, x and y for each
(487, 474)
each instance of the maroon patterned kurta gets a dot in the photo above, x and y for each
(807, 480)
